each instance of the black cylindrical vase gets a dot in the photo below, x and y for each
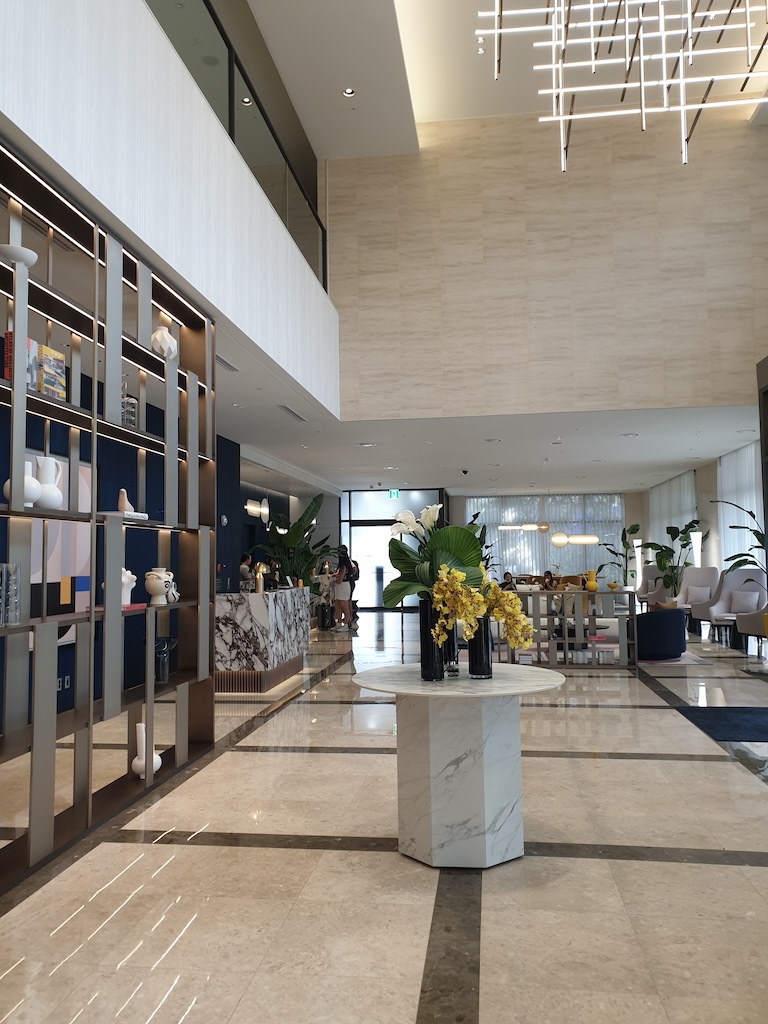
(451, 652)
(479, 649)
(431, 654)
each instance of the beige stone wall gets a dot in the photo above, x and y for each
(475, 277)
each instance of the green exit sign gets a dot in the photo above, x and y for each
(394, 492)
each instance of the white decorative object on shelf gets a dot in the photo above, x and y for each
(49, 474)
(139, 763)
(123, 505)
(159, 583)
(32, 487)
(18, 254)
(128, 583)
(164, 343)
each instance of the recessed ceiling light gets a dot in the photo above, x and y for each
(493, 440)
(305, 446)
(366, 444)
(390, 467)
(246, 101)
(480, 50)
(558, 441)
(428, 442)
(235, 405)
(348, 93)
(629, 435)
(480, 40)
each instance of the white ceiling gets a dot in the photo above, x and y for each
(319, 49)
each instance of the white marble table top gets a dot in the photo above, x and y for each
(508, 680)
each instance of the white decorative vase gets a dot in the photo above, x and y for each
(123, 505)
(164, 343)
(32, 488)
(139, 763)
(129, 582)
(49, 474)
(157, 584)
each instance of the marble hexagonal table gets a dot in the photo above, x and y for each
(459, 776)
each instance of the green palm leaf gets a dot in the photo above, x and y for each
(395, 591)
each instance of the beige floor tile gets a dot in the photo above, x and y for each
(610, 730)
(314, 725)
(201, 933)
(715, 1010)
(699, 957)
(133, 996)
(563, 950)
(321, 999)
(689, 890)
(552, 883)
(33, 989)
(380, 878)
(352, 939)
(523, 1004)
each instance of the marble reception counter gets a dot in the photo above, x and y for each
(260, 639)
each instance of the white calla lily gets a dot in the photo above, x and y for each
(408, 519)
(428, 516)
(398, 528)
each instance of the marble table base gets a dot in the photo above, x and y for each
(459, 779)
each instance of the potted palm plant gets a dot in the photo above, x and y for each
(672, 558)
(622, 556)
(291, 545)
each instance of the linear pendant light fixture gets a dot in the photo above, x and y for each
(639, 57)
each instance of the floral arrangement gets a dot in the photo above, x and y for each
(506, 607)
(452, 547)
(447, 566)
(452, 600)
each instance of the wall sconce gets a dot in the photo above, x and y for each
(253, 508)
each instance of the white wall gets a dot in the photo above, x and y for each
(94, 92)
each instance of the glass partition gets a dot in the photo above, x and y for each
(212, 61)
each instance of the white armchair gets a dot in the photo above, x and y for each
(651, 589)
(752, 623)
(721, 610)
(705, 576)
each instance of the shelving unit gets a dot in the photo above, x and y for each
(167, 465)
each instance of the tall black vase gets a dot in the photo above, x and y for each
(451, 652)
(431, 655)
(479, 649)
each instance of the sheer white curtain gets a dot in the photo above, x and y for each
(739, 479)
(521, 552)
(672, 503)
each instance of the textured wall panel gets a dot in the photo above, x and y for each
(496, 284)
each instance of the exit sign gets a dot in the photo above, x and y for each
(394, 492)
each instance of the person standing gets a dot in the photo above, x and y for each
(343, 591)
(247, 578)
(353, 578)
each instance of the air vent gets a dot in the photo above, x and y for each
(290, 412)
(227, 366)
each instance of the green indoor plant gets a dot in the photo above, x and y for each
(623, 556)
(672, 559)
(755, 556)
(455, 547)
(291, 546)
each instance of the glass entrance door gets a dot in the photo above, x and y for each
(369, 546)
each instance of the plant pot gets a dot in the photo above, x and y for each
(451, 652)
(431, 655)
(480, 649)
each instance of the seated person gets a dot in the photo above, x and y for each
(549, 581)
(247, 578)
(508, 582)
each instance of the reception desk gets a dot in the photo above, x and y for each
(260, 639)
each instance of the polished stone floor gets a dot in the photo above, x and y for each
(263, 883)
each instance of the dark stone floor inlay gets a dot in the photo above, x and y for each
(450, 986)
(667, 695)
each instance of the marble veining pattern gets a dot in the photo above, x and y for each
(261, 631)
(459, 780)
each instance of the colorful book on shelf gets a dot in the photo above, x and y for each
(51, 373)
(31, 360)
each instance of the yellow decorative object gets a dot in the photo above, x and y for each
(612, 587)
(591, 585)
(301, 583)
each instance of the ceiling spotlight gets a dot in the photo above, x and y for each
(480, 40)
(480, 50)
(348, 93)
(246, 101)
(390, 467)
